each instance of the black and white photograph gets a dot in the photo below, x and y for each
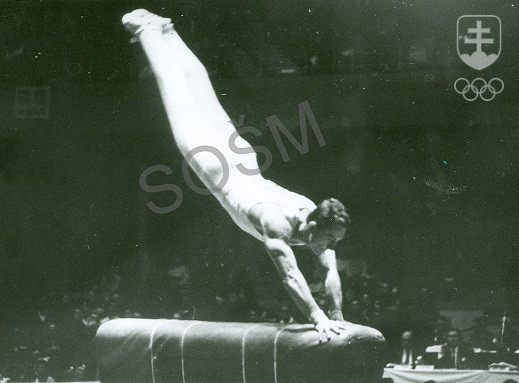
(269, 191)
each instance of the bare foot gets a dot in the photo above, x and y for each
(140, 19)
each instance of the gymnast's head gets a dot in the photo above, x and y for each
(326, 224)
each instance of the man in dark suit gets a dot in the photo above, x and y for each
(407, 352)
(453, 354)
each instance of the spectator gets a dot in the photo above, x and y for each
(453, 354)
(407, 352)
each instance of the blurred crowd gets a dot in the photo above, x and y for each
(55, 341)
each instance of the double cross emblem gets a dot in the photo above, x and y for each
(479, 46)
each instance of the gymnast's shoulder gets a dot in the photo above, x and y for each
(270, 220)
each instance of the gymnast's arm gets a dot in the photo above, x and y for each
(291, 276)
(326, 265)
(276, 230)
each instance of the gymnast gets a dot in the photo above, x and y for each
(277, 217)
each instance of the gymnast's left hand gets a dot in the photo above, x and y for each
(325, 327)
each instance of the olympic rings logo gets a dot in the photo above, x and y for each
(479, 88)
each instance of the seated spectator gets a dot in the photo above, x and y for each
(453, 354)
(407, 352)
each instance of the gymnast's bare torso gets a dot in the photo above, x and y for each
(272, 214)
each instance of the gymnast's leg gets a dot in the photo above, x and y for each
(195, 115)
(196, 74)
(204, 94)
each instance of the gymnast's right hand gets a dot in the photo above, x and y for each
(325, 326)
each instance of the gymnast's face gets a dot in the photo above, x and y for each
(322, 238)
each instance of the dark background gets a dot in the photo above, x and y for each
(430, 180)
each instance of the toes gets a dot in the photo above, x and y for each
(142, 17)
(136, 14)
(140, 12)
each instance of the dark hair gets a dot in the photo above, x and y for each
(329, 212)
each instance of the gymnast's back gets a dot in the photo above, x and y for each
(246, 201)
